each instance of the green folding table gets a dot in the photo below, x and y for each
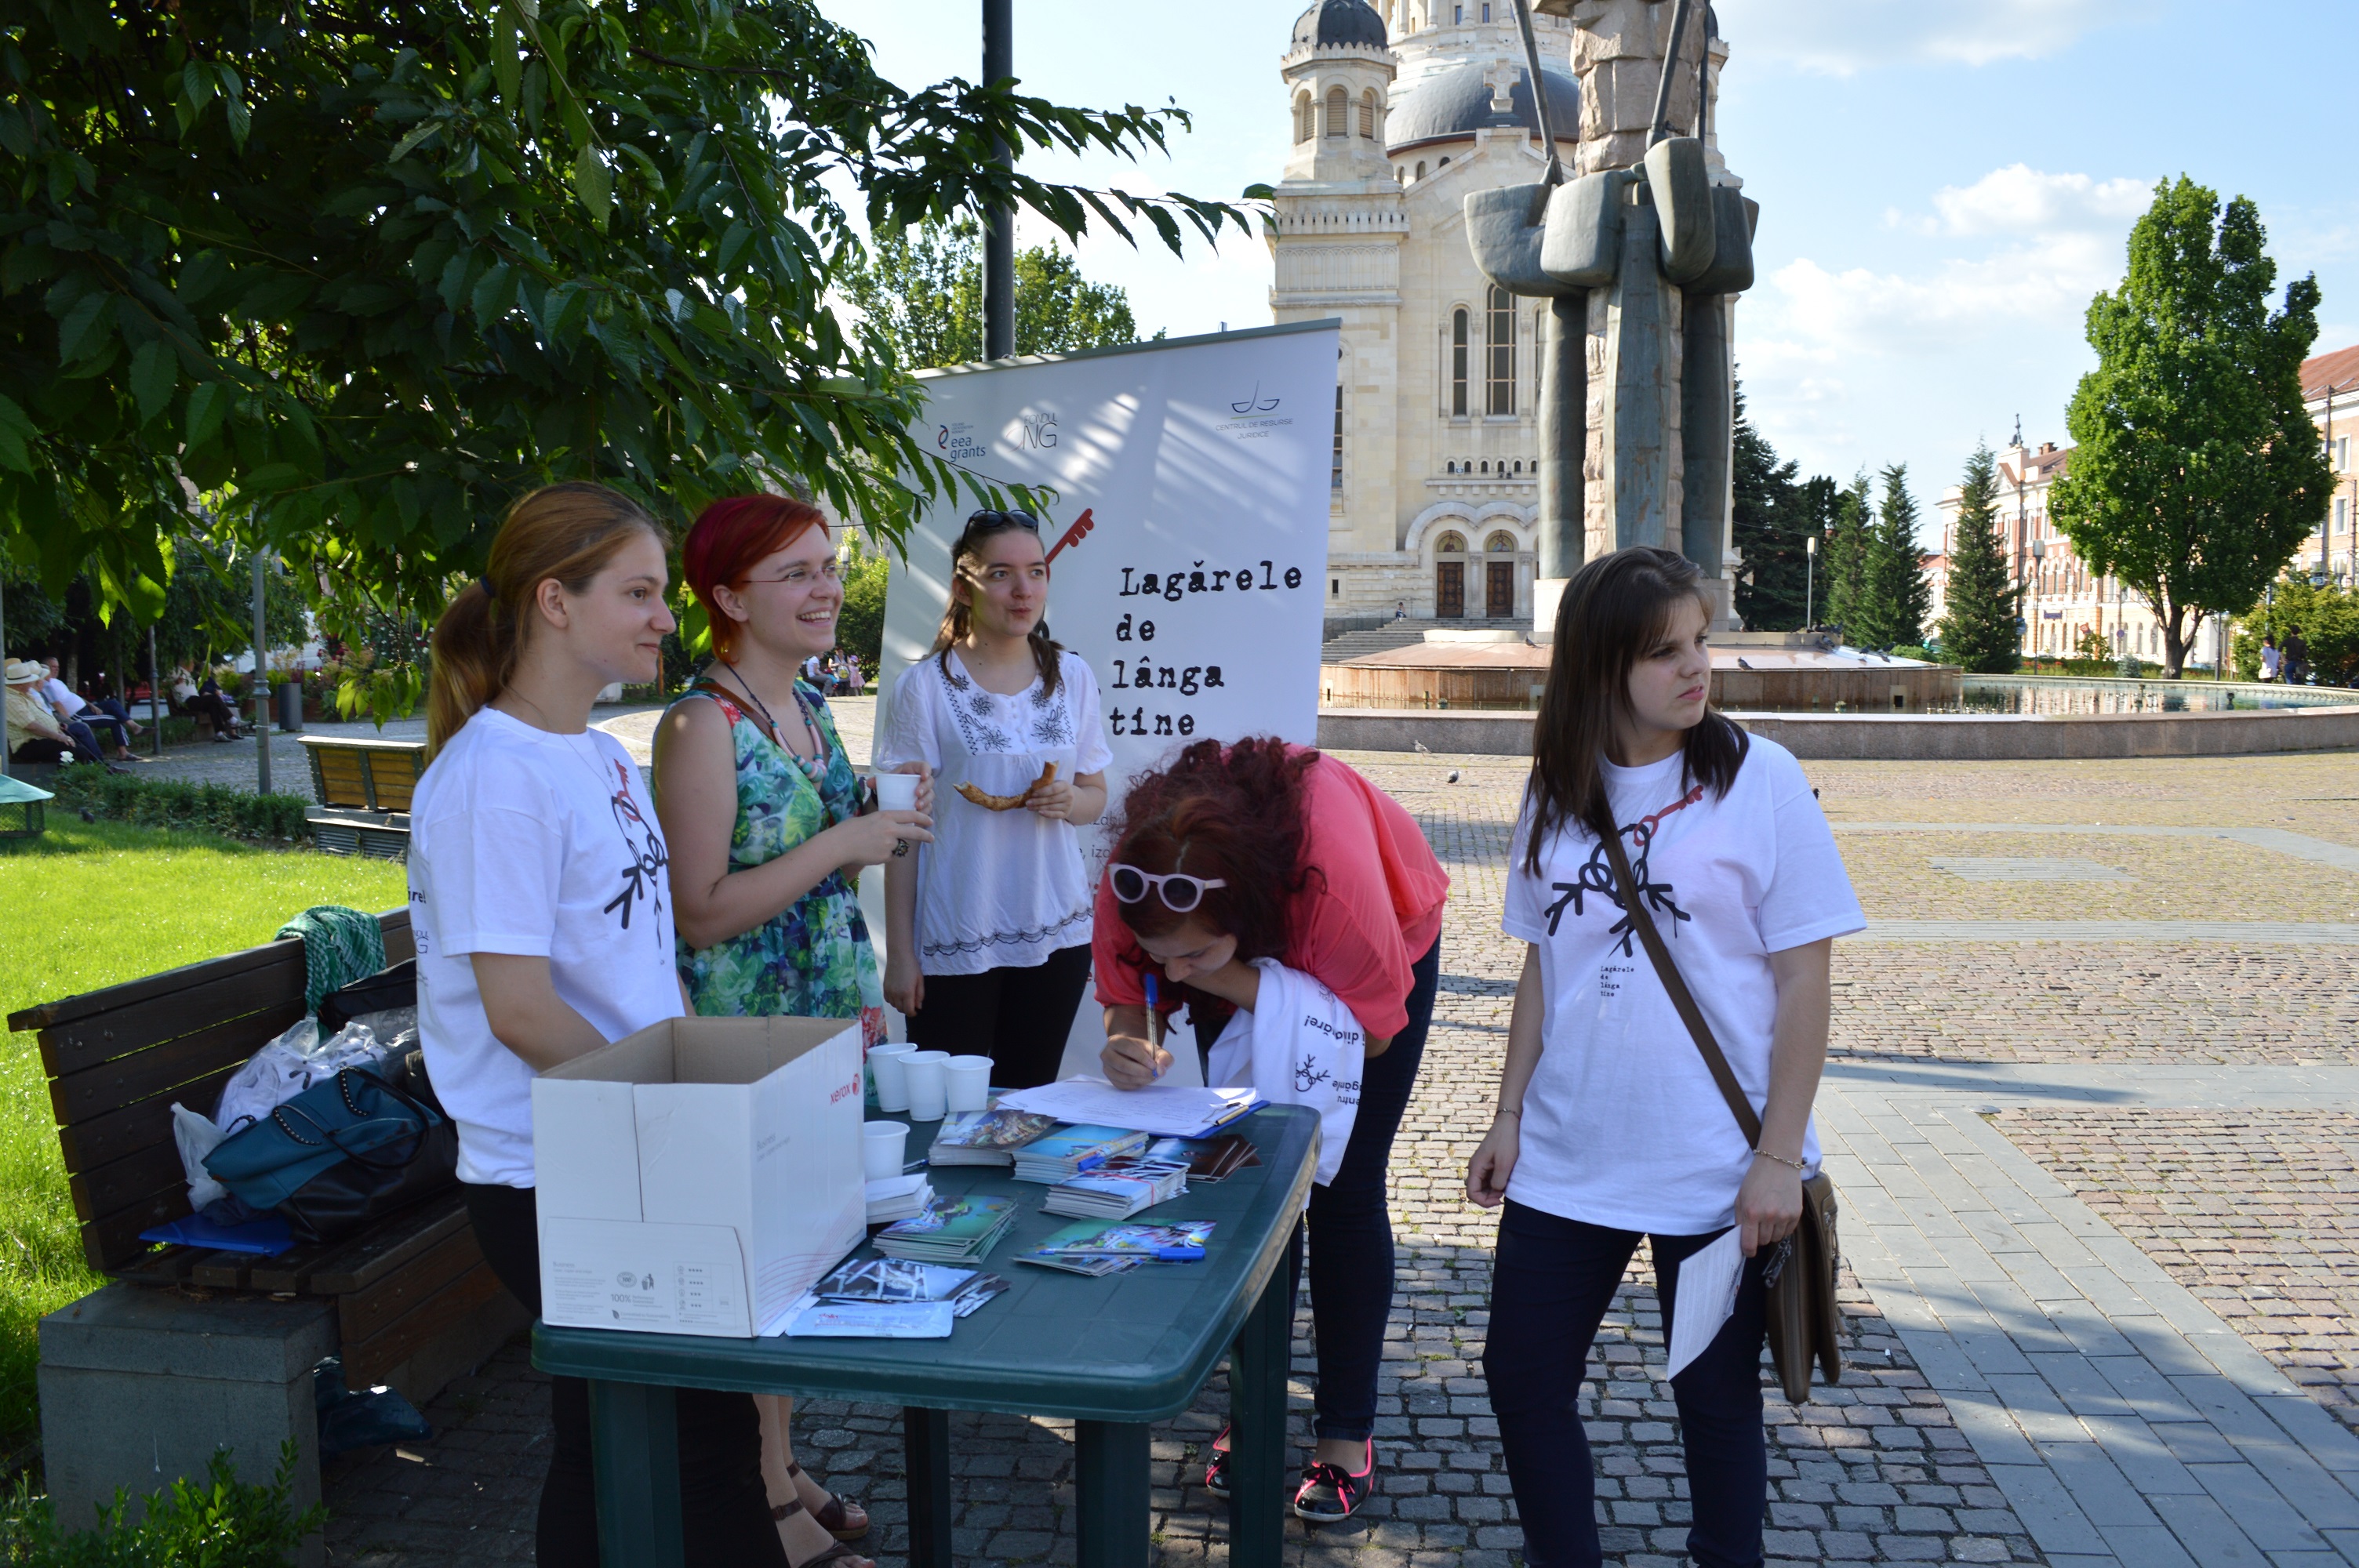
(1112, 1354)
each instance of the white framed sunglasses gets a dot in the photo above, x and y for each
(1180, 892)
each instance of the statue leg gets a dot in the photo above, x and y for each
(1564, 437)
(1708, 432)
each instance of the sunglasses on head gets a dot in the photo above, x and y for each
(1180, 892)
(1003, 520)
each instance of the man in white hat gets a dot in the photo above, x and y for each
(34, 735)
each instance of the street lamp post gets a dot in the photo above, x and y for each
(999, 221)
(2031, 579)
(1810, 578)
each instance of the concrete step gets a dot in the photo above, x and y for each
(1403, 634)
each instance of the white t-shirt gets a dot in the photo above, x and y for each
(1622, 1124)
(996, 888)
(522, 841)
(1300, 1045)
(63, 700)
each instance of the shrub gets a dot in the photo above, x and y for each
(170, 803)
(221, 1523)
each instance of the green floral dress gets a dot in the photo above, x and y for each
(813, 960)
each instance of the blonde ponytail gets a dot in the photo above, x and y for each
(568, 531)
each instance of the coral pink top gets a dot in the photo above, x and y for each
(1357, 927)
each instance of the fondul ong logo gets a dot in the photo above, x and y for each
(1254, 402)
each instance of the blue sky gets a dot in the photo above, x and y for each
(1943, 186)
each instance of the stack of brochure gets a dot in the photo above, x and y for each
(1207, 1160)
(1097, 1246)
(898, 1197)
(952, 1230)
(1119, 1189)
(985, 1137)
(1069, 1151)
(890, 1298)
(1166, 1109)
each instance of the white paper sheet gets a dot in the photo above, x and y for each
(1707, 1295)
(1166, 1110)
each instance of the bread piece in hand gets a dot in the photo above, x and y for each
(1007, 802)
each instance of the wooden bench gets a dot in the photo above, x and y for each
(363, 788)
(415, 1302)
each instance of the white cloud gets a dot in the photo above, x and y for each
(1840, 38)
(2019, 199)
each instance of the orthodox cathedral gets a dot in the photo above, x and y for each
(1399, 109)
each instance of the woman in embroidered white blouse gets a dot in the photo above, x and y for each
(988, 927)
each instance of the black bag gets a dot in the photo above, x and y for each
(385, 1165)
(390, 988)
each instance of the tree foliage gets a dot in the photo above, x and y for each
(1843, 560)
(924, 287)
(373, 272)
(2197, 473)
(1771, 529)
(2329, 619)
(1977, 627)
(1894, 595)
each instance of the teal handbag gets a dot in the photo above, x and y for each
(354, 1116)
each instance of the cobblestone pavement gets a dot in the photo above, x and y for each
(2255, 1212)
(1907, 1461)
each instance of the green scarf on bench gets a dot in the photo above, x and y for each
(340, 945)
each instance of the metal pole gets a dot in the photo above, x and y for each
(155, 695)
(261, 679)
(4, 659)
(1809, 579)
(999, 221)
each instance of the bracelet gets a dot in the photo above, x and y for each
(1800, 1166)
(1503, 1110)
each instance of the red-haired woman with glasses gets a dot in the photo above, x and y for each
(1265, 850)
(988, 928)
(763, 812)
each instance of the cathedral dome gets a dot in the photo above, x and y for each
(1452, 104)
(1338, 23)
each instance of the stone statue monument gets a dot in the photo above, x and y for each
(1640, 251)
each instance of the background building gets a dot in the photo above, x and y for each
(1397, 112)
(2330, 389)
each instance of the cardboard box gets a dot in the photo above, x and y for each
(698, 1176)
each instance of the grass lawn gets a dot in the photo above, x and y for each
(94, 904)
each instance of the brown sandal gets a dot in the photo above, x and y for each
(838, 1552)
(845, 1522)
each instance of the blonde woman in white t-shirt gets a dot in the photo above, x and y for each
(1609, 1126)
(988, 927)
(541, 903)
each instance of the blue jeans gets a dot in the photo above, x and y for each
(108, 712)
(1351, 1230)
(1551, 1284)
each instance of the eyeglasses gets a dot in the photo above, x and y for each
(829, 570)
(1003, 520)
(1180, 892)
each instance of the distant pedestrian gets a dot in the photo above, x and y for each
(1610, 1124)
(2296, 661)
(2270, 658)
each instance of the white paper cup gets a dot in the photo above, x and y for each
(897, 792)
(884, 1147)
(924, 1071)
(966, 1083)
(887, 1065)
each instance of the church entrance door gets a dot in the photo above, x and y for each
(1450, 588)
(1499, 592)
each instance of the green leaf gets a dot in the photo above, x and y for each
(270, 477)
(594, 183)
(152, 372)
(17, 436)
(418, 134)
(241, 120)
(208, 405)
(492, 293)
(80, 322)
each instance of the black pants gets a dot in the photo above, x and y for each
(1018, 1018)
(725, 1510)
(1551, 1281)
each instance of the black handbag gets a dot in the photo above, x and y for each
(338, 1156)
(390, 987)
(1805, 1324)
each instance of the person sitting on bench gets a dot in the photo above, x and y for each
(103, 712)
(35, 734)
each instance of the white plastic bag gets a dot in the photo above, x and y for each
(288, 1065)
(196, 1135)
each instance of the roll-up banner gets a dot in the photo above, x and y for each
(1196, 589)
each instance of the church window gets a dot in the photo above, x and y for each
(1500, 341)
(1519, 465)
(1335, 466)
(1458, 363)
(1458, 14)
(1486, 13)
(1450, 545)
(1339, 108)
(1420, 169)
(1368, 115)
(1486, 467)
(1305, 118)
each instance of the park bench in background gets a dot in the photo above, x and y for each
(363, 788)
(191, 1348)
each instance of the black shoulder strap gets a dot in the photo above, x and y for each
(1634, 905)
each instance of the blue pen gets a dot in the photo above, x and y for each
(1154, 1018)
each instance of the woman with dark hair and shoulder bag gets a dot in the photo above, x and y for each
(1262, 851)
(987, 946)
(1610, 1124)
(543, 916)
(764, 812)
